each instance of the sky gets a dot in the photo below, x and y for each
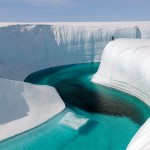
(74, 10)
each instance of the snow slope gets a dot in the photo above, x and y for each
(125, 66)
(141, 139)
(24, 106)
(27, 48)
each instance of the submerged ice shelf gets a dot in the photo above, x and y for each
(24, 106)
(72, 121)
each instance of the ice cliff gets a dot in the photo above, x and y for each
(141, 139)
(125, 66)
(27, 48)
(24, 106)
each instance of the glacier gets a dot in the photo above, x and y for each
(24, 106)
(26, 48)
(29, 47)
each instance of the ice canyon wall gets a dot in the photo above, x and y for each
(125, 66)
(27, 48)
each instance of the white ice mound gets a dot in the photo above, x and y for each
(73, 121)
(24, 106)
(125, 66)
(141, 140)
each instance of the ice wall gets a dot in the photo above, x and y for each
(28, 48)
(125, 66)
(143, 32)
(24, 106)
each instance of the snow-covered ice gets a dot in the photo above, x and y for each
(141, 140)
(24, 106)
(29, 47)
(125, 66)
(73, 121)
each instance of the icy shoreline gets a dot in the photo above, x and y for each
(24, 106)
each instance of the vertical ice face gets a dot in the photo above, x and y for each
(85, 44)
(124, 66)
(143, 32)
(28, 48)
(22, 50)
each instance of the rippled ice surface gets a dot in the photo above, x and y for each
(113, 116)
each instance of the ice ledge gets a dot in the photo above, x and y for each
(25, 106)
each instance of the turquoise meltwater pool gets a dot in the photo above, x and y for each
(113, 116)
